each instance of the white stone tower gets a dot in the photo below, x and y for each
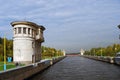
(27, 40)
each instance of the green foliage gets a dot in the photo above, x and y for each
(48, 52)
(108, 51)
(0, 40)
(9, 48)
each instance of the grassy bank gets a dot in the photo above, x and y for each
(8, 66)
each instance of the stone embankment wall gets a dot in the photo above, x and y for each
(101, 58)
(21, 73)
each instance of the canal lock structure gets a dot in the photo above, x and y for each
(79, 68)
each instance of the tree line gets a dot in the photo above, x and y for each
(104, 51)
(9, 48)
(47, 52)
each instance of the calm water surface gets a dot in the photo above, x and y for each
(79, 68)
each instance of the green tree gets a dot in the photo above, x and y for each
(108, 51)
(48, 52)
(0, 40)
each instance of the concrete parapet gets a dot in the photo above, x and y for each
(101, 58)
(55, 60)
(20, 73)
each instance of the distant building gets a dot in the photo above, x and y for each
(27, 40)
(82, 52)
(64, 53)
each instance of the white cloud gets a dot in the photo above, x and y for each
(64, 18)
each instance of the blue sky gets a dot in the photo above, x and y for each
(70, 24)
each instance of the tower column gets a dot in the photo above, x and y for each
(21, 30)
(27, 31)
(25, 45)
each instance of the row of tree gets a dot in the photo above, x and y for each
(101, 51)
(47, 52)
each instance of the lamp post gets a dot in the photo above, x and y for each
(119, 28)
(94, 52)
(4, 52)
(115, 50)
(101, 51)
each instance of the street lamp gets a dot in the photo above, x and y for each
(101, 51)
(119, 28)
(94, 52)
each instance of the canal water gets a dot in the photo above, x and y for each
(79, 68)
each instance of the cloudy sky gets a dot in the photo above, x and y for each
(70, 24)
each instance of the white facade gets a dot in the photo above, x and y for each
(27, 40)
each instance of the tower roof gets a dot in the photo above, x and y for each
(27, 23)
